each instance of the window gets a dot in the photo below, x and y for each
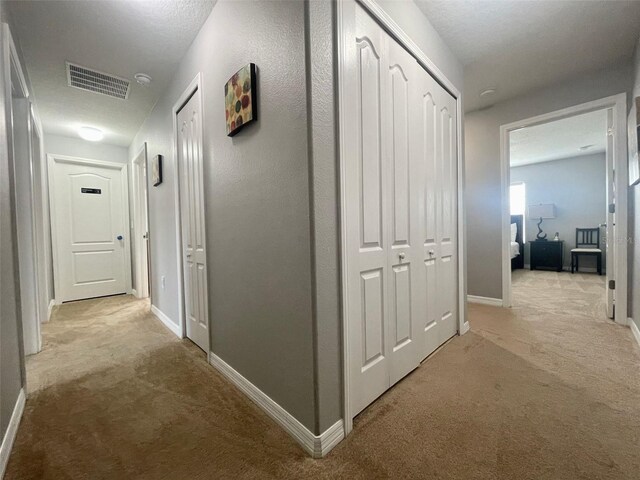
(517, 198)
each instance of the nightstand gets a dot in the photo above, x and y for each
(546, 254)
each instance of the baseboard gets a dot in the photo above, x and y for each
(316, 446)
(166, 321)
(465, 328)
(12, 431)
(134, 292)
(634, 329)
(52, 303)
(568, 269)
(496, 302)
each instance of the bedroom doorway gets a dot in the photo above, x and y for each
(564, 230)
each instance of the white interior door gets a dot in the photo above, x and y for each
(90, 211)
(189, 143)
(610, 244)
(400, 213)
(140, 224)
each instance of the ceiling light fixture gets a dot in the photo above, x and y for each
(91, 134)
(586, 147)
(143, 79)
(487, 92)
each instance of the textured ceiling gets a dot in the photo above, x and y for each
(520, 45)
(559, 139)
(117, 37)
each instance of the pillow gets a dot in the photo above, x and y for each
(514, 231)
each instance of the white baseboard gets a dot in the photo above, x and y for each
(465, 328)
(316, 446)
(52, 303)
(634, 329)
(166, 321)
(134, 292)
(496, 302)
(12, 431)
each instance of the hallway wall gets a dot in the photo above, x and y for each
(12, 367)
(77, 147)
(257, 200)
(482, 154)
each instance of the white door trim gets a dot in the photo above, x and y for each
(196, 84)
(52, 159)
(140, 198)
(346, 8)
(619, 105)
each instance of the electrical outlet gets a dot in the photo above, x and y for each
(163, 281)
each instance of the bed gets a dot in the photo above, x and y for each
(517, 242)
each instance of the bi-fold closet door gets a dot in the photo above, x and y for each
(400, 212)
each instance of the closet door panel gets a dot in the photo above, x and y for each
(404, 229)
(368, 217)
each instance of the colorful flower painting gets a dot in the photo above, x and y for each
(239, 99)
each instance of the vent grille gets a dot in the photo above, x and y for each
(97, 82)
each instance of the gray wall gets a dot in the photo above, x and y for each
(11, 350)
(271, 198)
(257, 201)
(577, 187)
(634, 222)
(482, 154)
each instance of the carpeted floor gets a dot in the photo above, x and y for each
(549, 389)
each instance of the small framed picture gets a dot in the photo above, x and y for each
(240, 99)
(156, 170)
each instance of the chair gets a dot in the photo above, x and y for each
(587, 243)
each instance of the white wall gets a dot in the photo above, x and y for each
(482, 154)
(577, 187)
(77, 147)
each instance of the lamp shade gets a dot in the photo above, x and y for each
(542, 210)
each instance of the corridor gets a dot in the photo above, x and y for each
(115, 395)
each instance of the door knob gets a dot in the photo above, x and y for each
(188, 255)
(432, 253)
(401, 256)
(119, 237)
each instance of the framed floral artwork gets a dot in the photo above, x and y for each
(240, 99)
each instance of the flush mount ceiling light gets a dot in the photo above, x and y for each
(91, 134)
(586, 147)
(487, 92)
(143, 79)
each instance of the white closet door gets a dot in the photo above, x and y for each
(400, 221)
(193, 223)
(404, 183)
(367, 212)
(436, 147)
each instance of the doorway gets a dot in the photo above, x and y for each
(191, 228)
(579, 217)
(89, 215)
(140, 258)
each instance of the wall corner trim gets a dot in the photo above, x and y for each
(315, 445)
(160, 315)
(12, 431)
(634, 329)
(496, 302)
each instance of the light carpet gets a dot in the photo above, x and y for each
(549, 389)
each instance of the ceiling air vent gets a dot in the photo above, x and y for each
(97, 82)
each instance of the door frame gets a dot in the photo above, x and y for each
(52, 159)
(345, 15)
(140, 197)
(195, 85)
(14, 77)
(619, 105)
